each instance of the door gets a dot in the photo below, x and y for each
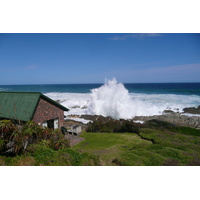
(50, 123)
(55, 123)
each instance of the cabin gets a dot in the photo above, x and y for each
(32, 106)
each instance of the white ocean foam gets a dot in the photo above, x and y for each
(190, 114)
(84, 121)
(76, 102)
(113, 99)
(138, 121)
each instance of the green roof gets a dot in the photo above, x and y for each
(22, 105)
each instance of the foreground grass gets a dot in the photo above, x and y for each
(109, 146)
(151, 147)
(45, 156)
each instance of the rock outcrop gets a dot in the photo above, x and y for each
(192, 110)
(174, 118)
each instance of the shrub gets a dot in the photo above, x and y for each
(15, 139)
(6, 128)
(89, 160)
(116, 126)
(79, 159)
(22, 160)
(75, 157)
(158, 124)
(43, 155)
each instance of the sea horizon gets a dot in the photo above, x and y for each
(21, 84)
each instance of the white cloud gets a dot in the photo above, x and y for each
(139, 36)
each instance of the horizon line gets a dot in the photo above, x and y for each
(29, 84)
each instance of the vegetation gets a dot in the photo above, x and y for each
(158, 143)
(155, 143)
(161, 125)
(108, 146)
(113, 126)
(16, 138)
(30, 144)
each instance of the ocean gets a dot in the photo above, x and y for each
(116, 99)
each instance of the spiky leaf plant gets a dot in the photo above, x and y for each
(6, 126)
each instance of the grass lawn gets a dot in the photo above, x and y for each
(109, 146)
(157, 148)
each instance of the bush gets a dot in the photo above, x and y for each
(158, 124)
(79, 159)
(30, 144)
(115, 126)
(15, 139)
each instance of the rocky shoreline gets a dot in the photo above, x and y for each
(174, 118)
(190, 117)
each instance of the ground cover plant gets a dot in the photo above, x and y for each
(158, 143)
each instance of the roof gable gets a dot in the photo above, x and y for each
(54, 102)
(22, 105)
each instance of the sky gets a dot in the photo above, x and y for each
(64, 58)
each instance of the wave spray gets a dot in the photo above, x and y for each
(113, 99)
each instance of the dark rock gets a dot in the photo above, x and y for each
(168, 111)
(192, 110)
(174, 118)
(59, 101)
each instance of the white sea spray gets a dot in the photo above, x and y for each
(113, 99)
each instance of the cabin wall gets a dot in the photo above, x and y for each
(46, 111)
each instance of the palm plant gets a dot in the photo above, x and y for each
(15, 134)
(31, 129)
(17, 139)
(46, 133)
(6, 126)
(60, 142)
(18, 145)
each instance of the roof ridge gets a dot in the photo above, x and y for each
(20, 92)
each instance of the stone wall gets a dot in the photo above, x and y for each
(47, 111)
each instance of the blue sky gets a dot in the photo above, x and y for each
(90, 58)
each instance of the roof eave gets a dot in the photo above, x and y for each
(54, 102)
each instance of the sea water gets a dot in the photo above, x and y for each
(116, 99)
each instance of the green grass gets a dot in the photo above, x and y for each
(109, 146)
(157, 148)
(45, 156)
